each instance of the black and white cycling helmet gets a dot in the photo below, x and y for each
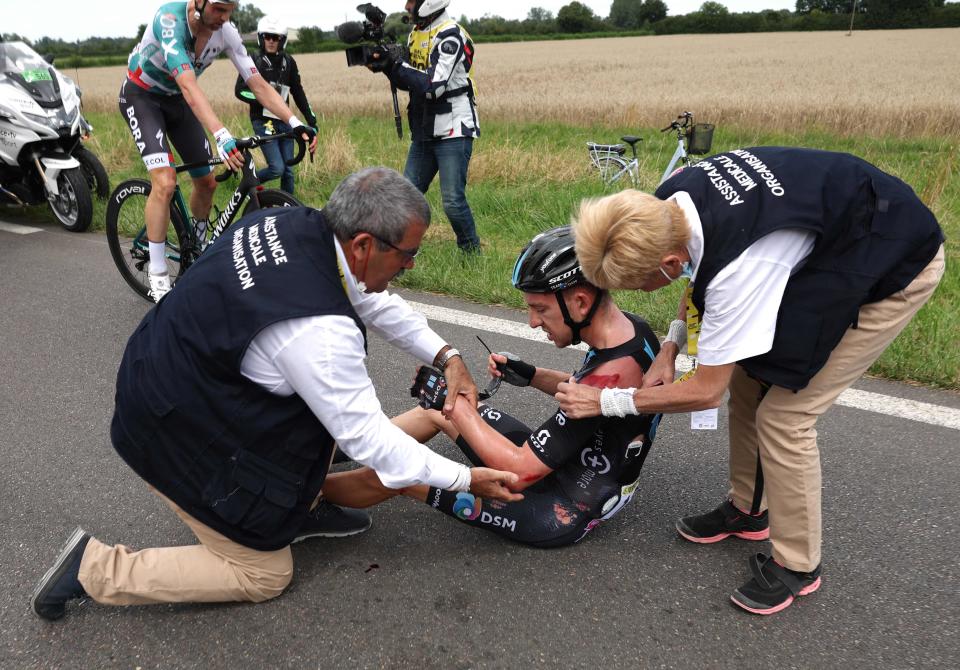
(548, 264)
(426, 11)
(270, 25)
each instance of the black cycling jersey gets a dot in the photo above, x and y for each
(281, 72)
(595, 461)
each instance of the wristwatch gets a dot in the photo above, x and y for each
(445, 358)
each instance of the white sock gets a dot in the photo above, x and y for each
(158, 258)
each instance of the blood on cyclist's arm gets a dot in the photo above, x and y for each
(495, 450)
(268, 97)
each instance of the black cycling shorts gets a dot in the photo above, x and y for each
(152, 118)
(546, 517)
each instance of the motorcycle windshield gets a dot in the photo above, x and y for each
(24, 66)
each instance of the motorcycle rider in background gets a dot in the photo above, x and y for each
(280, 70)
(442, 112)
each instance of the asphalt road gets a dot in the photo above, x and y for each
(420, 590)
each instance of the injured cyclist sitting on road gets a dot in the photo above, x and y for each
(573, 473)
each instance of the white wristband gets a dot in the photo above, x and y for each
(677, 333)
(463, 480)
(294, 122)
(617, 402)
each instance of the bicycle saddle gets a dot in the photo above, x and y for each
(631, 139)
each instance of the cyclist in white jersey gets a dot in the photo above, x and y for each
(160, 99)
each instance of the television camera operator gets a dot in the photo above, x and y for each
(442, 112)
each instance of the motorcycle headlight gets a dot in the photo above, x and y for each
(36, 118)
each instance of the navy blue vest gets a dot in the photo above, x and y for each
(873, 237)
(243, 461)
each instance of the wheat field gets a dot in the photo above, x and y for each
(898, 83)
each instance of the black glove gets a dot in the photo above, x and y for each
(309, 131)
(429, 388)
(384, 61)
(515, 371)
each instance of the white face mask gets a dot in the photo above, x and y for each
(685, 271)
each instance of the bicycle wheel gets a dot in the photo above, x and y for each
(127, 236)
(271, 197)
(615, 171)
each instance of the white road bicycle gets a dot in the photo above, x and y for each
(615, 170)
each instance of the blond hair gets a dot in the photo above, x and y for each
(621, 238)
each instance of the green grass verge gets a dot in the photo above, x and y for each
(529, 177)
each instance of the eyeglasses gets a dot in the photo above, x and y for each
(411, 254)
(272, 38)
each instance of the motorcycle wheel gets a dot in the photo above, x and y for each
(94, 172)
(73, 207)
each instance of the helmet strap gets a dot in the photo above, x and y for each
(198, 10)
(575, 327)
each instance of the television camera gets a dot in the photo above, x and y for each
(380, 46)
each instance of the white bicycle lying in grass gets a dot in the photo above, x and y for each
(692, 139)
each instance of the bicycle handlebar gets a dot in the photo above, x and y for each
(683, 121)
(252, 142)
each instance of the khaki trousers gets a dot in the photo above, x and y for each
(216, 570)
(781, 424)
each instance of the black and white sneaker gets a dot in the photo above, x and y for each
(723, 522)
(329, 520)
(60, 582)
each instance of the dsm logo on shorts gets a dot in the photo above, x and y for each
(467, 506)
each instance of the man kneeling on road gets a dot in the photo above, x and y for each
(235, 390)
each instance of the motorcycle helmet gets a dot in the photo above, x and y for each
(548, 264)
(270, 25)
(426, 11)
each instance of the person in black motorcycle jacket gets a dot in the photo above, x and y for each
(280, 70)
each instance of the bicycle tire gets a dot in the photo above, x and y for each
(271, 197)
(612, 170)
(127, 236)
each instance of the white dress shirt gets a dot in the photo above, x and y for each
(742, 301)
(321, 359)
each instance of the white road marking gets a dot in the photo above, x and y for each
(17, 229)
(936, 415)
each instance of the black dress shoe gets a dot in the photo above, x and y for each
(60, 583)
(329, 520)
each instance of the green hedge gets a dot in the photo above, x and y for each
(947, 16)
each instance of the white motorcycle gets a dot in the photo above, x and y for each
(39, 130)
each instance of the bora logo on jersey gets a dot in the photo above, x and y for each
(466, 506)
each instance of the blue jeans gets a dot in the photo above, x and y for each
(275, 153)
(451, 158)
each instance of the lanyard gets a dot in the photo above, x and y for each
(693, 332)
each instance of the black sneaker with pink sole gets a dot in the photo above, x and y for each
(723, 522)
(774, 587)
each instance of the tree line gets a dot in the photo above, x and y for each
(576, 18)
